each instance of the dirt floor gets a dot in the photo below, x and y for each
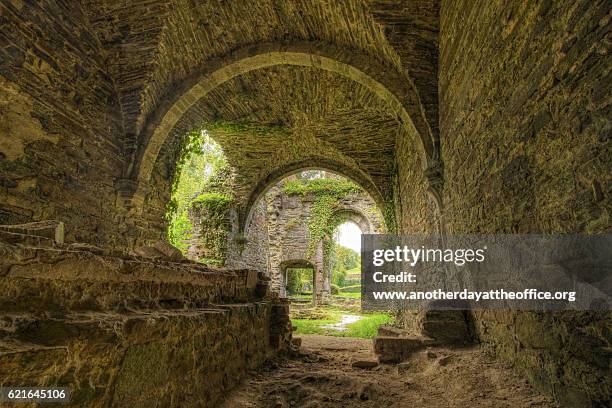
(322, 375)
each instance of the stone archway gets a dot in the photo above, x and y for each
(353, 211)
(312, 163)
(393, 87)
(299, 264)
(288, 236)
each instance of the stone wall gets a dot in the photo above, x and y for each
(413, 207)
(525, 130)
(211, 221)
(60, 125)
(124, 331)
(254, 252)
(287, 226)
(278, 235)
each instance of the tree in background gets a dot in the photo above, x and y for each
(201, 160)
(298, 279)
(343, 259)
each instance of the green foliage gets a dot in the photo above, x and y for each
(334, 289)
(179, 230)
(342, 260)
(210, 261)
(350, 295)
(199, 161)
(297, 278)
(353, 276)
(356, 270)
(338, 188)
(389, 217)
(309, 326)
(327, 192)
(351, 289)
(213, 201)
(365, 328)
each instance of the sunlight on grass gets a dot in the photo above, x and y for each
(368, 327)
(365, 328)
(304, 326)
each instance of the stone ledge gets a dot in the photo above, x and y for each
(141, 359)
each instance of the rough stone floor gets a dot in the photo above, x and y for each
(322, 375)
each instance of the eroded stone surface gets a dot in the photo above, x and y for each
(127, 331)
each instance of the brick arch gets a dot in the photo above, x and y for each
(356, 175)
(393, 87)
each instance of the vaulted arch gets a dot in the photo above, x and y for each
(393, 87)
(310, 163)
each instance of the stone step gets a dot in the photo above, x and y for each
(27, 330)
(198, 354)
(82, 280)
(393, 349)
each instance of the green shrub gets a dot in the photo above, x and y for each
(212, 200)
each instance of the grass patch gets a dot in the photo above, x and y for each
(304, 326)
(365, 328)
(356, 272)
(302, 296)
(350, 289)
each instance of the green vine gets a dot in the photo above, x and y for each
(215, 202)
(212, 210)
(327, 193)
(188, 145)
(331, 187)
(389, 218)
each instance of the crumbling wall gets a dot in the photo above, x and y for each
(210, 216)
(279, 234)
(124, 331)
(525, 130)
(251, 249)
(287, 226)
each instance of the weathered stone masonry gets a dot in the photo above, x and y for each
(60, 149)
(525, 122)
(456, 116)
(278, 235)
(124, 331)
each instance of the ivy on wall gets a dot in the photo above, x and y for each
(327, 192)
(212, 209)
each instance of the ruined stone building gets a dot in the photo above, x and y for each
(454, 116)
(278, 235)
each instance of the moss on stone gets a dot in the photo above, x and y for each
(337, 188)
(213, 201)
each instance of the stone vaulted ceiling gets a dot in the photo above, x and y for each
(155, 46)
(297, 114)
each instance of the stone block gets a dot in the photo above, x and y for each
(390, 331)
(395, 349)
(365, 364)
(444, 326)
(168, 250)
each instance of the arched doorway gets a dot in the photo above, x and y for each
(299, 281)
